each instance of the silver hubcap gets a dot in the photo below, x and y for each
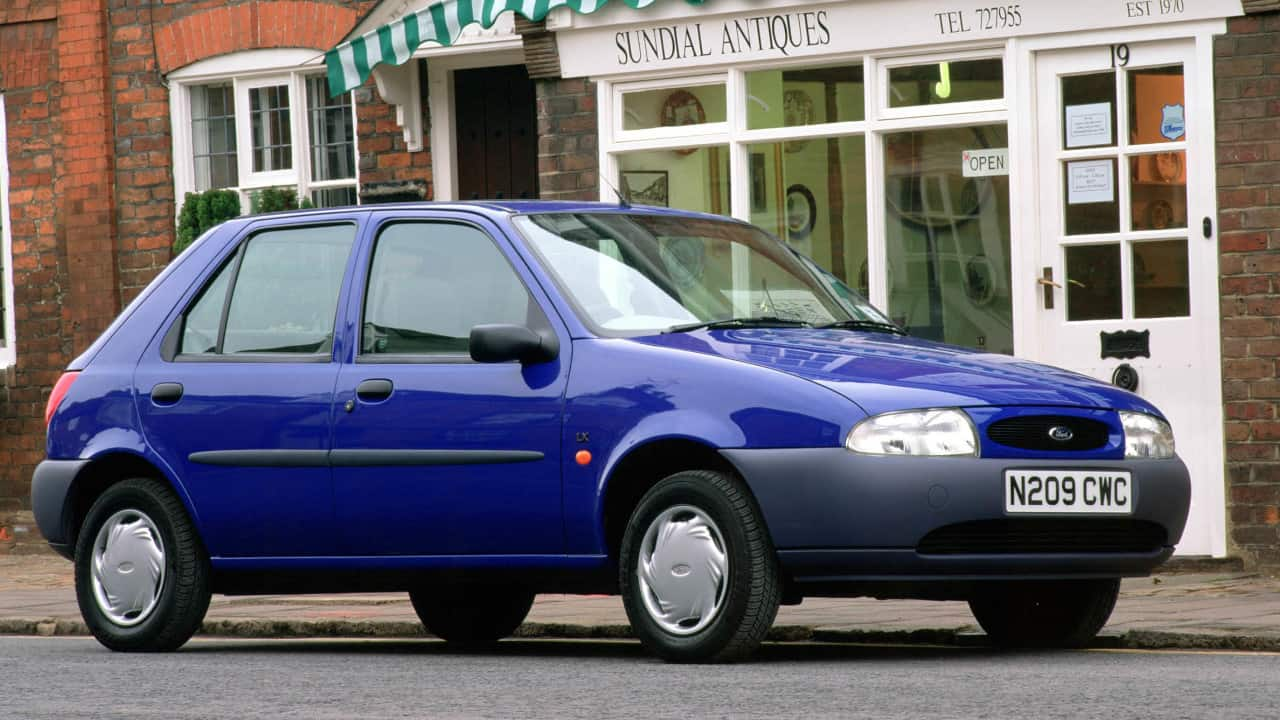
(128, 567)
(683, 570)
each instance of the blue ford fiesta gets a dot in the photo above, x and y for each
(477, 403)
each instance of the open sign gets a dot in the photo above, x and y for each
(985, 163)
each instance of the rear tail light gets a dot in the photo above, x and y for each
(59, 391)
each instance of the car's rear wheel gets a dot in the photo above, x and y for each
(471, 616)
(697, 570)
(1045, 614)
(142, 575)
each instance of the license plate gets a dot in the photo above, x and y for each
(1068, 492)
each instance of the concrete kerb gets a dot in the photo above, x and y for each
(957, 637)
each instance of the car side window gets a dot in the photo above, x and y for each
(430, 283)
(285, 295)
(200, 329)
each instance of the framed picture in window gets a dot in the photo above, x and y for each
(802, 212)
(646, 187)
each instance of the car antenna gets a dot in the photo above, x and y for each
(623, 200)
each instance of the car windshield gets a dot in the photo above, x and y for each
(637, 273)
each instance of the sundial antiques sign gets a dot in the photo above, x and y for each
(677, 37)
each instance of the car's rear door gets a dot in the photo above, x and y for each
(435, 454)
(236, 396)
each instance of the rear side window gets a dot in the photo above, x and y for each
(278, 295)
(430, 283)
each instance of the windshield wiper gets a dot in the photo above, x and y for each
(864, 325)
(740, 322)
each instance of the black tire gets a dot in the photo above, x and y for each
(179, 607)
(751, 589)
(1045, 614)
(471, 616)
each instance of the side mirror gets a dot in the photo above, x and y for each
(503, 343)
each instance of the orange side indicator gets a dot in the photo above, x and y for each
(583, 457)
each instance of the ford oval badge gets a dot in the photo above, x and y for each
(1061, 434)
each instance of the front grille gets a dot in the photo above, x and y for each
(1045, 535)
(1033, 432)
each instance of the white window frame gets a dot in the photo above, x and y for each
(885, 112)
(8, 350)
(687, 135)
(250, 178)
(246, 70)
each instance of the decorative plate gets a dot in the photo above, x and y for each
(682, 108)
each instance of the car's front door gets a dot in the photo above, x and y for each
(435, 454)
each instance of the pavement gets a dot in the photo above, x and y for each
(1191, 604)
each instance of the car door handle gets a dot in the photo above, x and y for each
(374, 390)
(166, 393)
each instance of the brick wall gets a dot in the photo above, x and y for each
(142, 146)
(388, 171)
(568, 157)
(1247, 69)
(53, 69)
(91, 183)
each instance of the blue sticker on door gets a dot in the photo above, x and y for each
(1173, 122)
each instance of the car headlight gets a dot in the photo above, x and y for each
(1146, 436)
(920, 432)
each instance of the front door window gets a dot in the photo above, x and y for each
(1122, 148)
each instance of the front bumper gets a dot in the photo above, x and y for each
(50, 486)
(839, 516)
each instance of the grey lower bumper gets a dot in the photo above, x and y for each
(50, 486)
(835, 514)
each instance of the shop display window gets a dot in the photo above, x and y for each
(805, 96)
(673, 107)
(947, 238)
(946, 82)
(813, 194)
(685, 178)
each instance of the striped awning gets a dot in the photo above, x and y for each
(350, 63)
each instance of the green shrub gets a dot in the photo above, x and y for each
(201, 211)
(273, 200)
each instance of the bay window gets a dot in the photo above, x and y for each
(263, 119)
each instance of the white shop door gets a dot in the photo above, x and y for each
(1127, 266)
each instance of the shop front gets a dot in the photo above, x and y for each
(1032, 178)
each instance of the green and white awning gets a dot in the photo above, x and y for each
(350, 63)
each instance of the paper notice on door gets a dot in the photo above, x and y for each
(1088, 125)
(1091, 181)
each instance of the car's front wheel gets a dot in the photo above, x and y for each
(471, 616)
(142, 575)
(1045, 614)
(697, 570)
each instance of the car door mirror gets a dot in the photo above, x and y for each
(503, 343)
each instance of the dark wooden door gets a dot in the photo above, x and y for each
(497, 138)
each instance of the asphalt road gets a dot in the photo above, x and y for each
(75, 678)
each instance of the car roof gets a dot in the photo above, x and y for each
(501, 208)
